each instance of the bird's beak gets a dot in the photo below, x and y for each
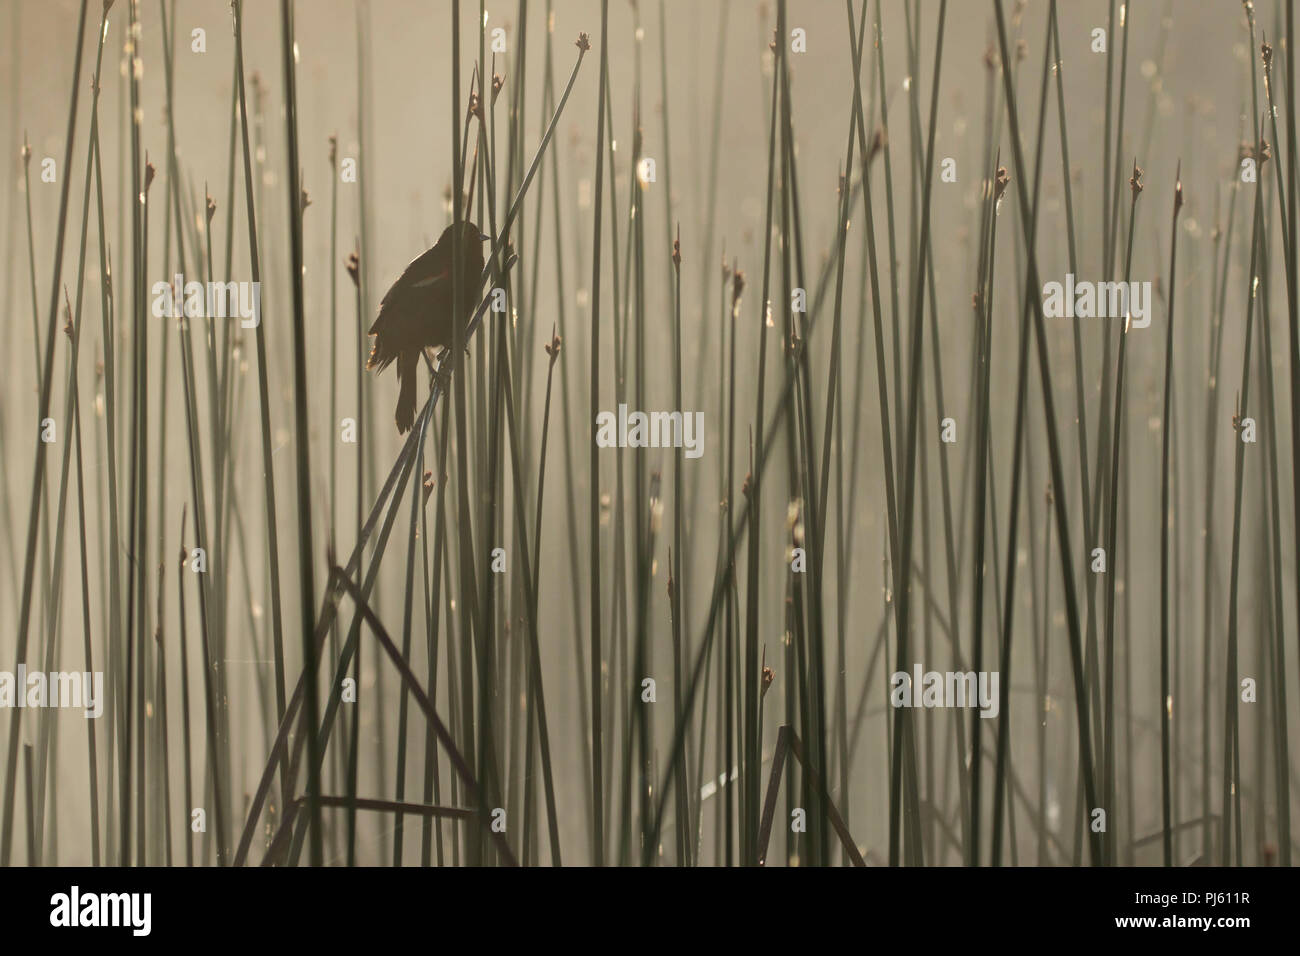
(483, 237)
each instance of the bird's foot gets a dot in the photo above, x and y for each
(442, 376)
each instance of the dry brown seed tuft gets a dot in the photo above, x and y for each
(1000, 183)
(877, 143)
(259, 91)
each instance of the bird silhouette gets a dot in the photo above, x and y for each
(416, 312)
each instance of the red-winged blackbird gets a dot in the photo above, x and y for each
(416, 312)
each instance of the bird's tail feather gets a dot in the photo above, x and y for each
(407, 365)
(378, 359)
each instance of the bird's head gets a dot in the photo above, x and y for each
(471, 241)
(470, 245)
(470, 234)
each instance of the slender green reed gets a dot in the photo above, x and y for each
(597, 771)
(1164, 518)
(1058, 480)
(47, 372)
(255, 267)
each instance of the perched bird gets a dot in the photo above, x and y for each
(416, 312)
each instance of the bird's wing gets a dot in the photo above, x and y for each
(423, 271)
(424, 266)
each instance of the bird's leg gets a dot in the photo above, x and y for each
(440, 370)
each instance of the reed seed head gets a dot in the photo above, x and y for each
(259, 91)
(878, 142)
